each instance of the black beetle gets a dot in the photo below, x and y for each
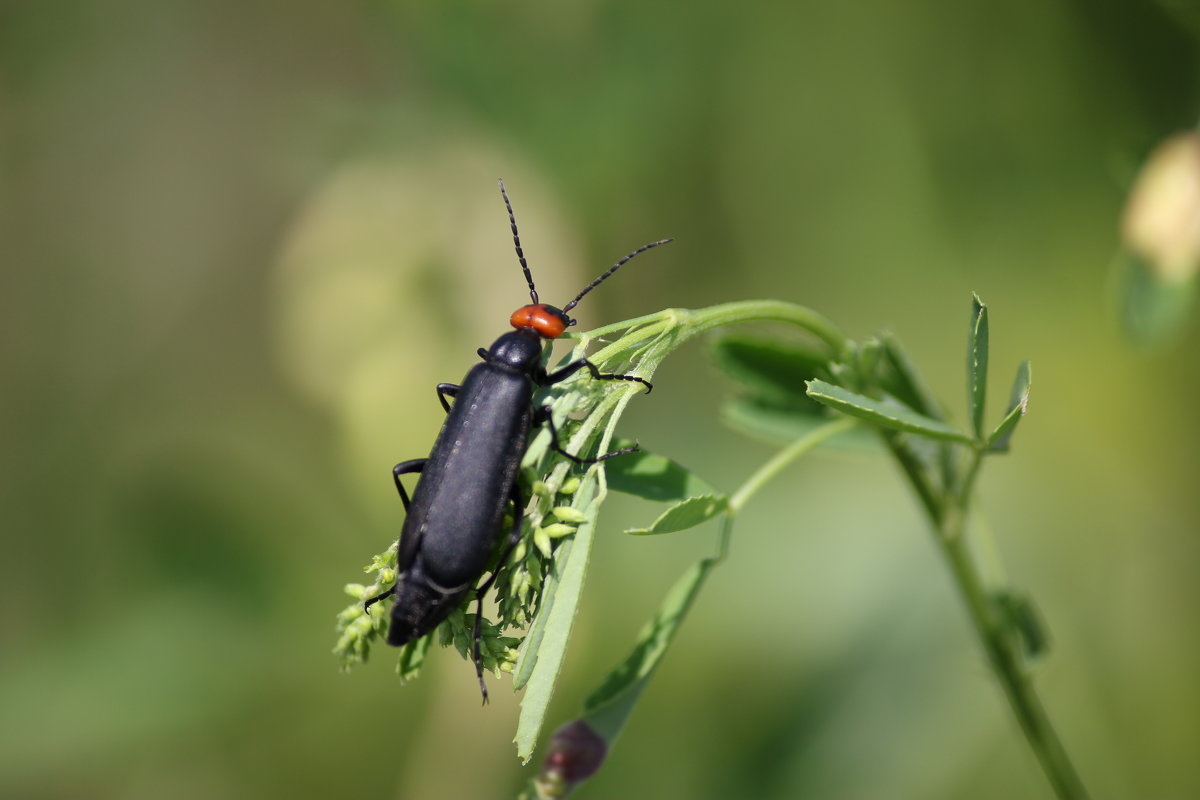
(470, 476)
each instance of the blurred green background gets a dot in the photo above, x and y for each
(241, 242)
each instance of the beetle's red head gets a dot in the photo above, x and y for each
(545, 320)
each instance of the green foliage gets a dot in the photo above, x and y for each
(357, 628)
(607, 709)
(884, 413)
(977, 364)
(654, 477)
(544, 649)
(771, 403)
(877, 384)
(772, 370)
(683, 515)
(1018, 404)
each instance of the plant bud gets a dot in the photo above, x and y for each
(574, 755)
(568, 514)
(557, 530)
(542, 541)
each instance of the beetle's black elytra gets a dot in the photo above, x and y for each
(470, 476)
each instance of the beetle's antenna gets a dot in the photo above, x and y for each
(610, 271)
(512, 221)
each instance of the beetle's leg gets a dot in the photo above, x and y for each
(403, 468)
(542, 414)
(514, 536)
(445, 390)
(406, 468)
(372, 601)
(575, 366)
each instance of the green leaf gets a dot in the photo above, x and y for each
(883, 413)
(868, 356)
(776, 425)
(685, 514)
(542, 654)
(977, 364)
(1018, 404)
(902, 379)
(654, 477)
(412, 655)
(608, 708)
(770, 368)
(531, 646)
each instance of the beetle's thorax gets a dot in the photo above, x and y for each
(520, 349)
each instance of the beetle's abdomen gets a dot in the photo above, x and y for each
(466, 485)
(419, 608)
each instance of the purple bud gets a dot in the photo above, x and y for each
(574, 755)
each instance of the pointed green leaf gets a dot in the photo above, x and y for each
(527, 657)
(585, 741)
(544, 648)
(1018, 404)
(609, 706)
(883, 413)
(685, 514)
(775, 425)
(977, 364)
(770, 368)
(902, 380)
(654, 477)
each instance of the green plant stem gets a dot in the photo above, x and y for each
(784, 457)
(908, 461)
(1005, 661)
(682, 324)
(769, 470)
(974, 462)
(949, 519)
